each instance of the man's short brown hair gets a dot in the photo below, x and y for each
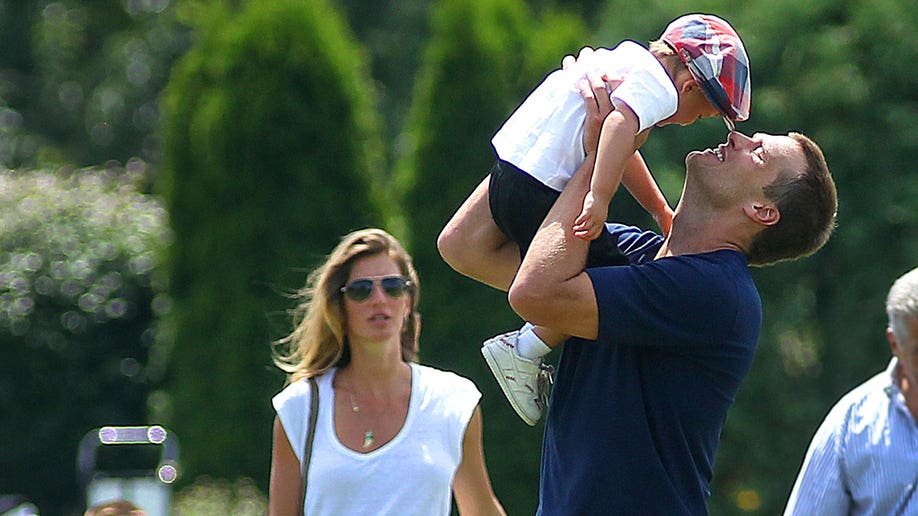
(808, 204)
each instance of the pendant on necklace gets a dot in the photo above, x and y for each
(368, 439)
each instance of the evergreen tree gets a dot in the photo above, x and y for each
(273, 149)
(482, 59)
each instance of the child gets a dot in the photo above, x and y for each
(698, 68)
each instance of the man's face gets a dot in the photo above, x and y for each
(738, 170)
(906, 350)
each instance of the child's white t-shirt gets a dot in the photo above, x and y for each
(410, 475)
(544, 136)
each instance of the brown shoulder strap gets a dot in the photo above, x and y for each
(310, 436)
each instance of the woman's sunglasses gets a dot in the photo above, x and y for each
(361, 289)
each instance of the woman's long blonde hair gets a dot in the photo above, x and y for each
(318, 341)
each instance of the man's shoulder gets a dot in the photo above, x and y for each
(725, 264)
(867, 400)
(637, 244)
(721, 278)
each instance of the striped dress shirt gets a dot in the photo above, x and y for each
(863, 458)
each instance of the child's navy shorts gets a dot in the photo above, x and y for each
(519, 204)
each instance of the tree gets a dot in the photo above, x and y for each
(273, 151)
(79, 80)
(482, 59)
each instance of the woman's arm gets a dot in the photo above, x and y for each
(472, 485)
(285, 488)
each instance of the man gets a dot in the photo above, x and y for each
(864, 458)
(661, 345)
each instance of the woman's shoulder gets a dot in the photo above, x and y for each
(297, 390)
(432, 377)
(294, 391)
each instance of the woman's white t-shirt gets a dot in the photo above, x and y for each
(410, 475)
(544, 136)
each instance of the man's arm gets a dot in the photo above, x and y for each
(551, 288)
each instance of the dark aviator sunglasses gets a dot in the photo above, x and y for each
(361, 289)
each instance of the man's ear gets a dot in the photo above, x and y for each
(765, 214)
(893, 343)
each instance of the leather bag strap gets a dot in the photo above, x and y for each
(310, 436)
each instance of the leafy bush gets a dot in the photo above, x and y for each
(208, 496)
(78, 255)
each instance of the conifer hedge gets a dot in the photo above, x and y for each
(482, 59)
(273, 152)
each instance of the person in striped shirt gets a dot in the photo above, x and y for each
(864, 456)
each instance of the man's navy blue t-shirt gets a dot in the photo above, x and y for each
(635, 416)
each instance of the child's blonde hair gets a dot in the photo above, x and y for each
(670, 60)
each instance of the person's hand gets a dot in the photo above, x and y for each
(568, 60)
(592, 219)
(612, 82)
(664, 220)
(598, 106)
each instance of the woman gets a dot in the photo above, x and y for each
(392, 436)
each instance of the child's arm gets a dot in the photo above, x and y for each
(617, 144)
(640, 183)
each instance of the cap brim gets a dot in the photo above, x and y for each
(711, 87)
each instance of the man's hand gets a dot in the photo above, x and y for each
(598, 106)
(569, 59)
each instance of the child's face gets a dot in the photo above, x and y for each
(692, 106)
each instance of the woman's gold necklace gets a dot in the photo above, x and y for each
(368, 436)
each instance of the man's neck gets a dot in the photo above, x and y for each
(696, 234)
(909, 392)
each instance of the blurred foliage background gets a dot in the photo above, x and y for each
(172, 169)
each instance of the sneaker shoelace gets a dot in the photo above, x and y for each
(544, 381)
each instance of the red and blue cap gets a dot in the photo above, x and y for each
(717, 59)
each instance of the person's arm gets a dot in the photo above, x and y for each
(285, 485)
(472, 485)
(638, 180)
(617, 144)
(820, 488)
(551, 288)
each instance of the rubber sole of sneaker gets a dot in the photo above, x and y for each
(495, 371)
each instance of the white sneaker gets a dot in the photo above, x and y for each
(518, 377)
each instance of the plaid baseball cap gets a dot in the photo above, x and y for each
(715, 55)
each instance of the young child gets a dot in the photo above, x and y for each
(698, 68)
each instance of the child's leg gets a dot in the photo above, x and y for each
(534, 342)
(473, 245)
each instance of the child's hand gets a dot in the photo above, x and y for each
(592, 219)
(664, 220)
